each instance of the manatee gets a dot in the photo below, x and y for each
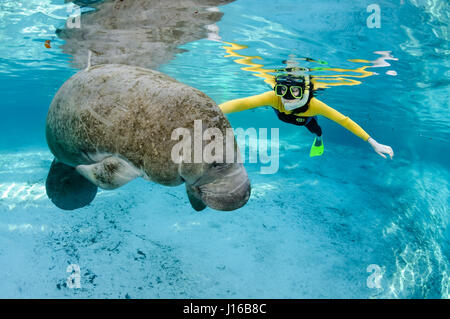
(112, 123)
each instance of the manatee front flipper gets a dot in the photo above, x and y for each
(112, 172)
(196, 203)
(67, 189)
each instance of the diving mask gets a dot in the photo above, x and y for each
(293, 89)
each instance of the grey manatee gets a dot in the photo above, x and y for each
(112, 123)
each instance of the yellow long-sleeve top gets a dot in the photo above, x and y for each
(316, 107)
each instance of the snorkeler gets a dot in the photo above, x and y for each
(293, 101)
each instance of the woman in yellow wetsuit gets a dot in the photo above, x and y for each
(293, 101)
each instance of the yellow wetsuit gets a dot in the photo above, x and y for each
(316, 107)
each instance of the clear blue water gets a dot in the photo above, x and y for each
(309, 231)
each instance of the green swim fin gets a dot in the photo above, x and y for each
(316, 150)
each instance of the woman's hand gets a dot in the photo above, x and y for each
(380, 148)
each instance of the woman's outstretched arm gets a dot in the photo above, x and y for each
(321, 108)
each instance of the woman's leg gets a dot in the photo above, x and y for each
(314, 127)
(317, 147)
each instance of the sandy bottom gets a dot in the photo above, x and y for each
(310, 231)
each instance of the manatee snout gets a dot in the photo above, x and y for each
(223, 188)
(217, 196)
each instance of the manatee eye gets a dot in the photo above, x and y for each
(218, 166)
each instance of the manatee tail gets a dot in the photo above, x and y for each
(67, 189)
